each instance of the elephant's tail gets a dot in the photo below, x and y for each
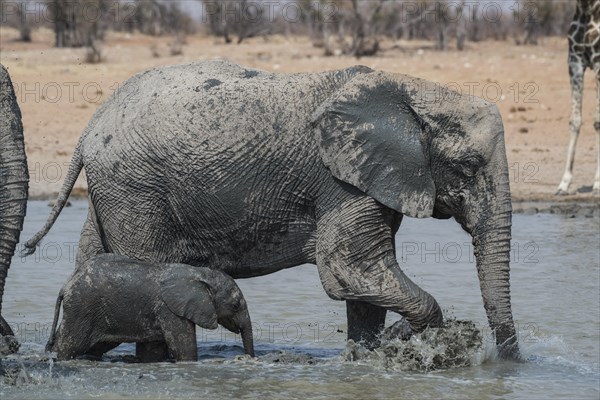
(59, 299)
(74, 171)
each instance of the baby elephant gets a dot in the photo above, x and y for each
(113, 299)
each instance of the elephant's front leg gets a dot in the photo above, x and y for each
(365, 322)
(356, 262)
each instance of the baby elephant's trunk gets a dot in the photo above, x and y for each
(246, 332)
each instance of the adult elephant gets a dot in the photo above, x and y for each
(250, 172)
(14, 183)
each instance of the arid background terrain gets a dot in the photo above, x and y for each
(58, 93)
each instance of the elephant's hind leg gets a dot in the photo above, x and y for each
(356, 261)
(90, 242)
(149, 352)
(72, 343)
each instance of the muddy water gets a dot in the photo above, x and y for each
(300, 333)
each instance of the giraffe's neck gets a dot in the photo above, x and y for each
(589, 9)
(584, 33)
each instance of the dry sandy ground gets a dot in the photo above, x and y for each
(58, 93)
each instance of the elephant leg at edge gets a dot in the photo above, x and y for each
(365, 322)
(5, 329)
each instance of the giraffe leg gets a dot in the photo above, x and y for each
(576, 70)
(596, 187)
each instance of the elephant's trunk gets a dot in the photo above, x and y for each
(246, 333)
(11, 221)
(490, 225)
(492, 251)
(14, 179)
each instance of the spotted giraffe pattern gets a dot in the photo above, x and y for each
(584, 52)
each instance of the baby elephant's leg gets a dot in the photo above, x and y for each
(90, 242)
(180, 337)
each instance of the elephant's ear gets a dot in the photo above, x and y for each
(369, 137)
(188, 297)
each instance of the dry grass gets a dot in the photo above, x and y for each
(536, 132)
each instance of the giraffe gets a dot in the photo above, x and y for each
(584, 52)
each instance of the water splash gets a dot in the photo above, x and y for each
(454, 344)
(8, 345)
(22, 372)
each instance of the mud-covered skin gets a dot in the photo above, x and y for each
(14, 184)
(251, 172)
(113, 299)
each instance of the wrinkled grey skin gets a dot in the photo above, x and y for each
(14, 184)
(249, 172)
(113, 299)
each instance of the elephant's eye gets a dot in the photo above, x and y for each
(470, 165)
